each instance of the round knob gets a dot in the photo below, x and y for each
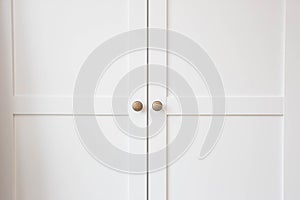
(137, 106)
(157, 105)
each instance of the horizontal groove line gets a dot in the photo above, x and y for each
(280, 115)
(60, 114)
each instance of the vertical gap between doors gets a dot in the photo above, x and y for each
(167, 80)
(147, 118)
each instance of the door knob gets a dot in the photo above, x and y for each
(137, 106)
(157, 105)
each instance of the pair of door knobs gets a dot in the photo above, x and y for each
(138, 106)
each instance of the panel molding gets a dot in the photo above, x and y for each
(233, 106)
(58, 105)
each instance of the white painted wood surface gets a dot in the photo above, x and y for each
(51, 162)
(157, 16)
(43, 55)
(292, 106)
(64, 105)
(245, 40)
(255, 47)
(245, 164)
(6, 105)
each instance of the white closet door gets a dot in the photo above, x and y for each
(225, 83)
(51, 41)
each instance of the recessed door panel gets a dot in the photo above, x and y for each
(52, 163)
(244, 39)
(53, 39)
(245, 164)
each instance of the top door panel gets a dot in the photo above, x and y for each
(53, 38)
(245, 40)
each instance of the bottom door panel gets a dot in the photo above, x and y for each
(245, 164)
(52, 164)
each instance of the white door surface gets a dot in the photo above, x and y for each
(149, 100)
(51, 42)
(234, 60)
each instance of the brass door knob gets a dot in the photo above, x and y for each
(157, 105)
(137, 106)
